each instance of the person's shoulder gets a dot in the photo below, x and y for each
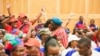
(65, 51)
(75, 54)
(95, 53)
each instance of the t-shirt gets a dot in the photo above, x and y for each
(23, 27)
(80, 25)
(8, 28)
(93, 27)
(94, 53)
(61, 36)
(66, 51)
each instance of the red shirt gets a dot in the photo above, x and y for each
(61, 36)
(24, 28)
(8, 28)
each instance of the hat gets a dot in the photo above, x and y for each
(9, 36)
(72, 38)
(33, 42)
(44, 31)
(22, 15)
(56, 20)
(13, 20)
(13, 43)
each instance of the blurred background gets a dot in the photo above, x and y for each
(90, 9)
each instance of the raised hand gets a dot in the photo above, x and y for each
(43, 11)
(71, 14)
(8, 6)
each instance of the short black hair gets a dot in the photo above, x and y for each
(47, 23)
(50, 41)
(85, 41)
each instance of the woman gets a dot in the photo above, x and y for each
(92, 25)
(15, 47)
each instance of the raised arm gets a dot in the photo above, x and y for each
(68, 19)
(44, 14)
(37, 17)
(8, 9)
(28, 35)
(6, 20)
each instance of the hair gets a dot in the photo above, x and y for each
(70, 43)
(89, 35)
(50, 41)
(85, 41)
(92, 20)
(3, 31)
(78, 31)
(47, 23)
(80, 17)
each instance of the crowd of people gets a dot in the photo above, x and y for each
(20, 37)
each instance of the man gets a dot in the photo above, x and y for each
(58, 31)
(43, 34)
(84, 48)
(52, 47)
(33, 47)
(80, 24)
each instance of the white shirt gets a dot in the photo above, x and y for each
(64, 52)
(73, 37)
(94, 53)
(93, 45)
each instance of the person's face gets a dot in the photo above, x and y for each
(33, 34)
(91, 21)
(74, 44)
(44, 36)
(83, 50)
(19, 51)
(81, 18)
(2, 50)
(33, 51)
(14, 24)
(22, 19)
(1, 35)
(53, 51)
(52, 26)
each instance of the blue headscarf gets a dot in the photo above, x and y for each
(56, 20)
